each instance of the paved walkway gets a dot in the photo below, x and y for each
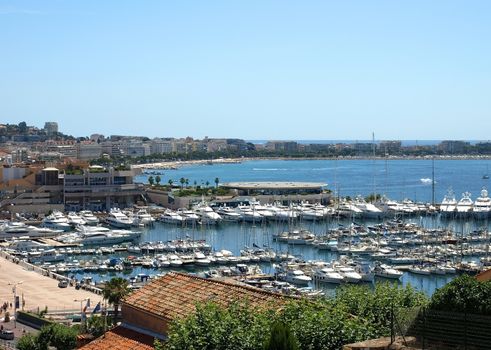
(39, 291)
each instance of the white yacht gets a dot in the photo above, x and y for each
(27, 245)
(201, 259)
(482, 205)
(249, 214)
(171, 217)
(369, 210)
(228, 214)
(297, 277)
(328, 275)
(420, 270)
(89, 217)
(49, 255)
(74, 219)
(189, 216)
(142, 217)
(95, 237)
(349, 274)
(349, 210)
(207, 215)
(11, 229)
(56, 221)
(464, 206)
(264, 211)
(117, 219)
(174, 260)
(449, 203)
(385, 271)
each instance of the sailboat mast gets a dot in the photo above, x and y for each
(433, 181)
(373, 166)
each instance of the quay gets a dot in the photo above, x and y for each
(36, 290)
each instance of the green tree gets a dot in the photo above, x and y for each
(187, 182)
(22, 127)
(182, 181)
(63, 337)
(217, 181)
(151, 180)
(96, 325)
(114, 291)
(207, 183)
(158, 179)
(29, 342)
(463, 294)
(281, 338)
(170, 182)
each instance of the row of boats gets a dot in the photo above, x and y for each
(253, 212)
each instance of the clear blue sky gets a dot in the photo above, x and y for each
(249, 69)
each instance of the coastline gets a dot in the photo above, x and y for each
(175, 164)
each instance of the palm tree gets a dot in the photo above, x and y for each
(114, 291)
(187, 183)
(170, 182)
(182, 181)
(151, 180)
(207, 183)
(158, 179)
(217, 181)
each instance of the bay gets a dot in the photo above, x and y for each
(397, 179)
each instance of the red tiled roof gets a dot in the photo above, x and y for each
(120, 338)
(176, 294)
(484, 276)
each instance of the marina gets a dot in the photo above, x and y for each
(283, 249)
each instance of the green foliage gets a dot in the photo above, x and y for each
(151, 180)
(375, 305)
(281, 338)
(373, 197)
(355, 314)
(29, 342)
(463, 294)
(212, 327)
(199, 191)
(158, 179)
(95, 325)
(114, 291)
(62, 337)
(56, 335)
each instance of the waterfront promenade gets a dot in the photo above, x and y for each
(39, 291)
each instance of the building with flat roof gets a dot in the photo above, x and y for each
(275, 188)
(98, 188)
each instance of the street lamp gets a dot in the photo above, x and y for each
(14, 290)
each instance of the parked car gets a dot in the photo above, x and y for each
(63, 284)
(6, 335)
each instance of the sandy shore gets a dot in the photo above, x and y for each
(178, 164)
(39, 291)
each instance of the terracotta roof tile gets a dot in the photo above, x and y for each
(176, 294)
(120, 338)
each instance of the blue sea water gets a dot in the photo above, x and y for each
(397, 179)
